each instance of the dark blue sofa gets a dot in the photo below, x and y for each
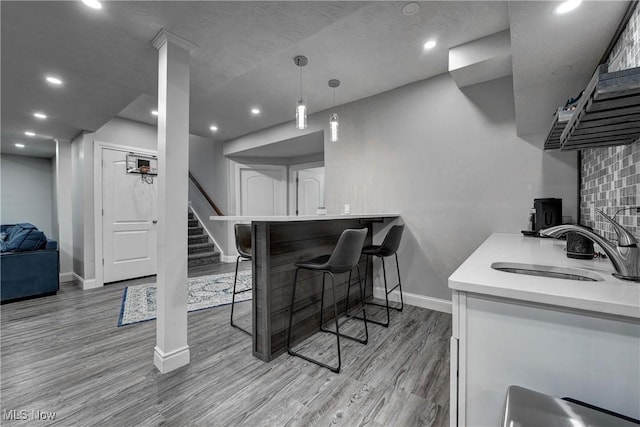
(29, 273)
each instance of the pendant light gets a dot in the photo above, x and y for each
(333, 120)
(301, 109)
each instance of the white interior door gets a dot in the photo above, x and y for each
(263, 190)
(310, 190)
(128, 220)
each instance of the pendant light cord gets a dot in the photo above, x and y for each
(300, 81)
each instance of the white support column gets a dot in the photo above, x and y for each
(172, 350)
(63, 187)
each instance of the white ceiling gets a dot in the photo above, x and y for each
(245, 58)
(554, 56)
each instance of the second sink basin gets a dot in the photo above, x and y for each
(547, 271)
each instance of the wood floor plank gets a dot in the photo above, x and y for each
(66, 354)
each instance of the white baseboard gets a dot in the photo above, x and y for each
(167, 362)
(85, 283)
(228, 258)
(90, 284)
(66, 277)
(416, 300)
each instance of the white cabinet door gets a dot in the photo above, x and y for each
(129, 209)
(263, 190)
(556, 351)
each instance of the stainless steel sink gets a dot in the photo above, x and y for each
(547, 271)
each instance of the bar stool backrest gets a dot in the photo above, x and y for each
(347, 251)
(391, 241)
(243, 239)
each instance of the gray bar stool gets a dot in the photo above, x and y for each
(243, 245)
(343, 259)
(388, 247)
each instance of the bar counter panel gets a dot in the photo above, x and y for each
(277, 245)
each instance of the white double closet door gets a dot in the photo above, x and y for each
(129, 234)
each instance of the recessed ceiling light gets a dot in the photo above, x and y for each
(410, 9)
(40, 115)
(430, 44)
(567, 6)
(214, 128)
(54, 80)
(255, 111)
(19, 145)
(93, 4)
(29, 133)
(154, 112)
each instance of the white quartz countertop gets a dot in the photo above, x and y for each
(287, 218)
(610, 296)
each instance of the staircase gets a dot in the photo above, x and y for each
(201, 251)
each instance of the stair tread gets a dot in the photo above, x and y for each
(203, 255)
(196, 236)
(202, 245)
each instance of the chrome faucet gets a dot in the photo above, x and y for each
(625, 256)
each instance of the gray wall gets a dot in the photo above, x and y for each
(27, 192)
(450, 162)
(447, 160)
(128, 133)
(207, 164)
(116, 131)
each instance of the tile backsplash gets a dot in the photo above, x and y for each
(611, 175)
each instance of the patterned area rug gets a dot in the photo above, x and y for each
(139, 302)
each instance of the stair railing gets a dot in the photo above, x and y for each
(204, 193)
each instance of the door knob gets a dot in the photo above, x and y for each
(155, 221)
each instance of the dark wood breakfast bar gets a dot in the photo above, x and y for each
(278, 242)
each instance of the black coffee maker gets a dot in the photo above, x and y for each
(545, 213)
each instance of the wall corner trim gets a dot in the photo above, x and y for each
(85, 283)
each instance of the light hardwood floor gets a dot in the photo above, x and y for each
(66, 354)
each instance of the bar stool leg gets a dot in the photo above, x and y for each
(362, 293)
(293, 300)
(233, 294)
(386, 292)
(324, 275)
(335, 316)
(362, 304)
(364, 311)
(399, 283)
(233, 298)
(346, 304)
(337, 333)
